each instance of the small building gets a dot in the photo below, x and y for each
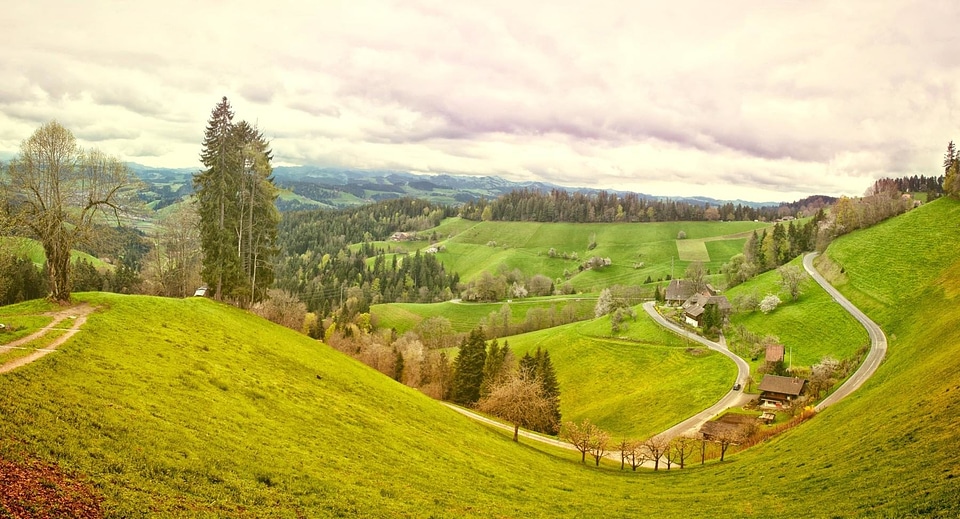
(200, 292)
(778, 391)
(728, 426)
(774, 353)
(694, 307)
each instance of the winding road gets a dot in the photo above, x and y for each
(878, 341)
(878, 349)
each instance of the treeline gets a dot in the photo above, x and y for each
(563, 206)
(318, 263)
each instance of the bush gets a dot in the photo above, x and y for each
(682, 235)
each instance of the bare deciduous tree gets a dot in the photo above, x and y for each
(655, 447)
(520, 401)
(61, 191)
(681, 448)
(598, 445)
(633, 452)
(696, 273)
(579, 435)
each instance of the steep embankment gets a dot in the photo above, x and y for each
(191, 408)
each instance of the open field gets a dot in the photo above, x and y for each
(188, 408)
(466, 316)
(635, 385)
(810, 328)
(637, 250)
(29, 248)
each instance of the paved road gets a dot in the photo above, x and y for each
(731, 399)
(878, 341)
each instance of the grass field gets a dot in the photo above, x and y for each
(466, 316)
(29, 248)
(187, 408)
(810, 328)
(634, 385)
(638, 250)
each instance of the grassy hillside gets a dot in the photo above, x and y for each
(29, 248)
(637, 384)
(188, 408)
(524, 245)
(811, 327)
(466, 316)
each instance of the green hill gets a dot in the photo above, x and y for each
(637, 250)
(30, 248)
(189, 408)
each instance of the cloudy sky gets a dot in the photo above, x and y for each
(757, 100)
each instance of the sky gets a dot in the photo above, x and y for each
(752, 100)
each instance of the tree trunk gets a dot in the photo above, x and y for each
(516, 433)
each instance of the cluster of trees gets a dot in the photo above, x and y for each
(499, 322)
(20, 280)
(514, 284)
(527, 394)
(617, 301)
(951, 171)
(317, 262)
(238, 218)
(563, 206)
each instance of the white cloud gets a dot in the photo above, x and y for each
(771, 101)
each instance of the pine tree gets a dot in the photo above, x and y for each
(951, 168)
(215, 188)
(468, 369)
(547, 377)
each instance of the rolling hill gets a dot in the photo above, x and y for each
(190, 408)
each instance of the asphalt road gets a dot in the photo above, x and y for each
(878, 341)
(731, 399)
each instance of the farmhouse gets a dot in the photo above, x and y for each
(694, 307)
(777, 391)
(679, 290)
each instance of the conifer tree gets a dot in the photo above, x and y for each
(468, 369)
(547, 377)
(236, 203)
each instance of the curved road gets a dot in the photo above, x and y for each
(731, 399)
(878, 349)
(878, 341)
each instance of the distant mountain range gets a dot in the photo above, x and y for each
(311, 187)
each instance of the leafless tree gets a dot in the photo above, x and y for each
(282, 308)
(655, 447)
(580, 435)
(62, 192)
(696, 273)
(520, 401)
(681, 448)
(598, 445)
(633, 452)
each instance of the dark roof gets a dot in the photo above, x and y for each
(783, 385)
(680, 290)
(695, 304)
(774, 353)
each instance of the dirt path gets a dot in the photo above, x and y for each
(76, 314)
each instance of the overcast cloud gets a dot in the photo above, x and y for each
(753, 100)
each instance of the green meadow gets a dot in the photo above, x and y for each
(189, 408)
(637, 250)
(464, 317)
(810, 328)
(634, 385)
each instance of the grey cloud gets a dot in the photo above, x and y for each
(105, 133)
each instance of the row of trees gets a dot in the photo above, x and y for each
(590, 439)
(238, 217)
(559, 205)
(951, 171)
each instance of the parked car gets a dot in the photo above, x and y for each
(736, 387)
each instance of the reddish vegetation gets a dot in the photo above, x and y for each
(39, 490)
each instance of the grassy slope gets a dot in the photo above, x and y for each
(634, 385)
(524, 245)
(812, 327)
(30, 248)
(466, 316)
(178, 421)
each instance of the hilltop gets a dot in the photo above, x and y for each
(192, 408)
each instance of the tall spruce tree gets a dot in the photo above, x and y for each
(236, 201)
(468, 369)
(547, 377)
